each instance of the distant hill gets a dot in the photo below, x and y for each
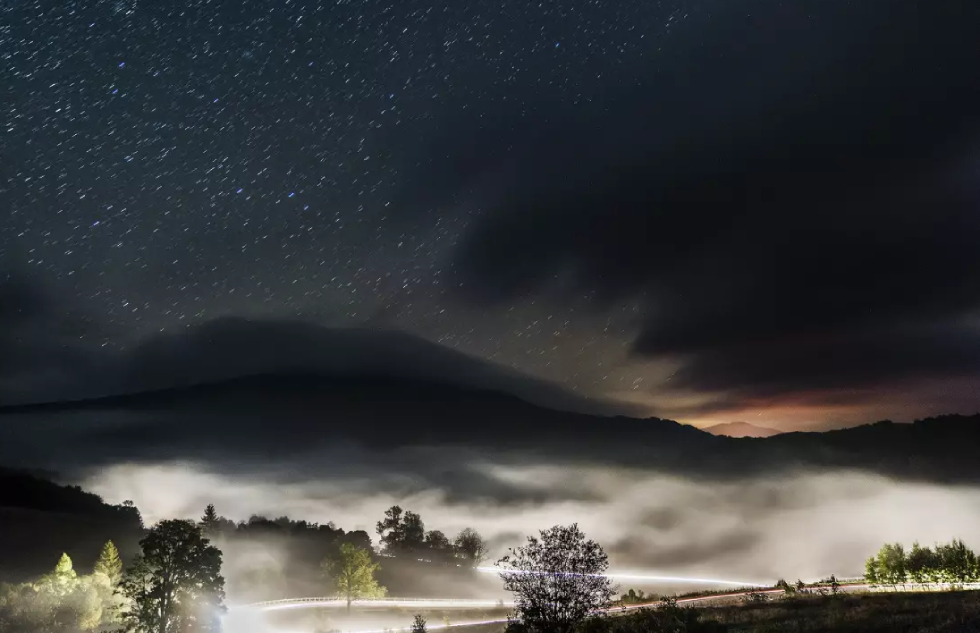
(39, 520)
(277, 416)
(740, 429)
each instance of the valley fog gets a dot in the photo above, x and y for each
(805, 525)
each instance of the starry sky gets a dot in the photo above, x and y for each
(713, 210)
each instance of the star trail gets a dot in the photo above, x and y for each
(469, 173)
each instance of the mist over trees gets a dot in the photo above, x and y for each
(60, 601)
(402, 534)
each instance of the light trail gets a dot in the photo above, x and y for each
(443, 603)
(421, 603)
(639, 577)
(610, 610)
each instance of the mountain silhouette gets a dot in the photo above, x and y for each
(272, 416)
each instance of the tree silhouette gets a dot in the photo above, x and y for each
(210, 522)
(438, 546)
(109, 563)
(176, 584)
(557, 579)
(418, 625)
(401, 532)
(470, 546)
(353, 574)
(390, 530)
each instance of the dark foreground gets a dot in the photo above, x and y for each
(948, 612)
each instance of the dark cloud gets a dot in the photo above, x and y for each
(233, 347)
(792, 200)
(44, 348)
(48, 356)
(841, 363)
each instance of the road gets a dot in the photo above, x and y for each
(450, 603)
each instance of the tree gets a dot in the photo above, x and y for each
(401, 532)
(871, 574)
(470, 547)
(891, 564)
(413, 533)
(957, 561)
(62, 579)
(353, 574)
(557, 579)
(109, 563)
(58, 602)
(176, 583)
(210, 522)
(418, 625)
(390, 530)
(438, 546)
(633, 597)
(920, 564)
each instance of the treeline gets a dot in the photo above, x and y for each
(948, 563)
(402, 534)
(134, 590)
(279, 558)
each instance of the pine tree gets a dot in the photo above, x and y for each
(62, 578)
(210, 521)
(109, 563)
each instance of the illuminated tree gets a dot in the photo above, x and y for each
(958, 562)
(470, 547)
(557, 579)
(920, 564)
(58, 602)
(891, 564)
(109, 563)
(176, 585)
(871, 575)
(353, 574)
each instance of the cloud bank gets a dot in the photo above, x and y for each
(791, 201)
(807, 525)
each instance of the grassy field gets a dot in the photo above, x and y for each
(918, 612)
(946, 612)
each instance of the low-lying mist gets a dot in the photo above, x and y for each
(805, 525)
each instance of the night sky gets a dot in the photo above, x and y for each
(716, 210)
